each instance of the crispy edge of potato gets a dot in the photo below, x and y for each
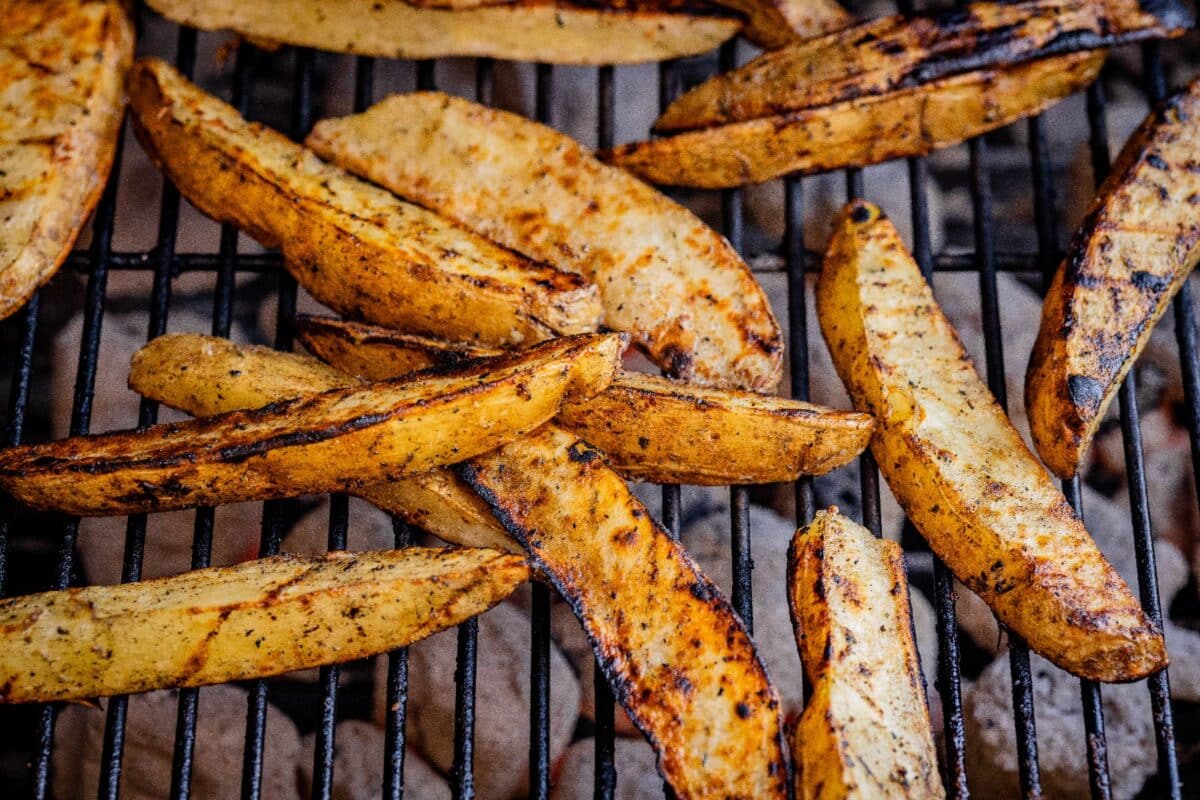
(677, 286)
(250, 620)
(80, 159)
(689, 677)
(543, 31)
(959, 469)
(771, 24)
(844, 584)
(1133, 252)
(313, 444)
(650, 428)
(859, 132)
(201, 375)
(355, 247)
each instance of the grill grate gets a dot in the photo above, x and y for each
(796, 262)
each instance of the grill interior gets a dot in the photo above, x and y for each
(33, 729)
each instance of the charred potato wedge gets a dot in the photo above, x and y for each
(62, 75)
(674, 652)
(1136, 247)
(886, 55)
(865, 731)
(961, 471)
(650, 428)
(333, 441)
(861, 132)
(204, 375)
(775, 23)
(251, 620)
(525, 30)
(354, 247)
(664, 276)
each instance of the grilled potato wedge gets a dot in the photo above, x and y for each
(775, 23)
(354, 247)
(865, 732)
(961, 471)
(893, 53)
(525, 30)
(860, 132)
(1136, 247)
(651, 428)
(332, 441)
(664, 276)
(251, 620)
(204, 375)
(62, 75)
(674, 652)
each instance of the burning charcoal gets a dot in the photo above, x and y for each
(358, 766)
(1062, 754)
(150, 741)
(501, 701)
(637, 776)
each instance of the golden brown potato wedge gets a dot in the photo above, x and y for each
(893, 53)
(865, 731)
(664, 276)
(333, 441)
(62, 76)
(650, 428)
(251, 620)
(354, 247)
(674, 652)
(961, 471)
(1137, 245)
(856, 133)
(526, 30)
(775, 23)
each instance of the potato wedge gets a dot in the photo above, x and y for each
(333, 441)
(775, 23)
(674, 652)
(526, 30)
(865, 731)
(962, 472)
(1137, 245)
(62, 75)
(885, 55)
(354, 247)
(251, 620)
(664, 276)
(856, 133)
(650, 428)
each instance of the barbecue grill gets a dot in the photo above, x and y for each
(99, 260)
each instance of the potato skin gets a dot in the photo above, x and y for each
(527, 30)
(961, 471)
(865, 732)
(378, 353)
(1137, 245)
(334, 441)
(674, 652)
(204, 375)
(251, 620)
(859, 132)
(674, 284)
(776, 23)
(878, 56)
(354, 247)
(62, 75)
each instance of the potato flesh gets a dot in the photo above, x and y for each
(776, 23)
(354, 247)
(252, 620)
(960, 470)
(674, 284)
(677, 656)
(1137, 246)
(865, 731)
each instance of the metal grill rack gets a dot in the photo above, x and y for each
(99, 260)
